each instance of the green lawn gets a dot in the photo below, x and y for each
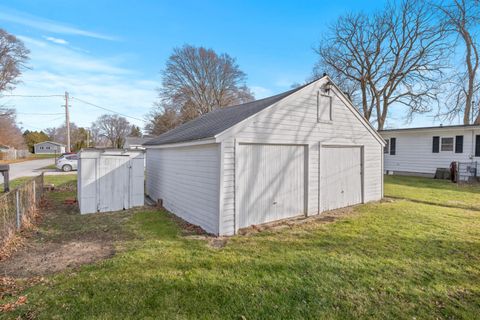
(432, 191)
(52, 166)
(56, 180)
(44, 156)
(392, 259)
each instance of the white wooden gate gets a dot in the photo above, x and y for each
(113, 183)
(340, 177)
(270, 182)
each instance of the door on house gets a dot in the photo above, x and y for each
(113, 183)
(340, 177)
(271, 182)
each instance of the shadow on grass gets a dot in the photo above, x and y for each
(433, 203)
(347, 276)
(429, 183)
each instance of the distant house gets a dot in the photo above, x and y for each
(49, 147)
(136, 142)
(423, 150)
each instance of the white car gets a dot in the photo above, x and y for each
(67, 162)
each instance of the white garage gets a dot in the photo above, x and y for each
(298, 153)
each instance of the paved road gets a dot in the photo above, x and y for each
(27, 168)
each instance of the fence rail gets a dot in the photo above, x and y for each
(14, 154)
(18, 207)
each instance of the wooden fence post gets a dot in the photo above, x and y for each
(19, 221)
(34, 193)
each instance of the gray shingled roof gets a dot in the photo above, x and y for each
(215, 122)
(137, 140)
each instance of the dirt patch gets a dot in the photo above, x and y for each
(65, 239)
(218, 243)
(324, 217)
(42, 259)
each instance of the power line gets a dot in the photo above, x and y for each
(62, 96)
(106, 109)
(31, 96)
(39, 114)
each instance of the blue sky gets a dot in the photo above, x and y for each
(110, 53)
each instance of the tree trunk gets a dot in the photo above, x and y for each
(477, 120)
(366, 110)
(380, 119)
(471, 79)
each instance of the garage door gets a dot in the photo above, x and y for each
(271, 183)
(340, 177)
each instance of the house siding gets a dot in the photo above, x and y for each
(294, 121)
(414, 150)
(52, 148)
(187, 180)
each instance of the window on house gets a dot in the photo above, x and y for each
(386, 149)
(447, 144)
(324, 107)
(477, 145)
(393, 146)
(459, 144)
(48, 148)
(436, 145)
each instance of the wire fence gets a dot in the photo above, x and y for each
(18, 208)
(467, 171)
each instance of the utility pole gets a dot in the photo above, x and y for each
(88, 138)
(67, 121)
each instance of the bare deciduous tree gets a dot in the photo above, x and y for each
(394, 56)
(198, 80)
(463, 19)
(161, 120)
(113, 127)
(13, 56)
(78, 135)
(10, 133)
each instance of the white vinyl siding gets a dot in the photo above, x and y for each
(187, 180)
(414, 149)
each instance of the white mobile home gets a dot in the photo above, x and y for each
(298, 153)
(48, 147)
(423, 150)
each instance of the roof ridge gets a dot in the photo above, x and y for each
(219, 120)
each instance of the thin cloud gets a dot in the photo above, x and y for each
(56, 40)
(63, 59)
(103, 81)
(49, 25)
